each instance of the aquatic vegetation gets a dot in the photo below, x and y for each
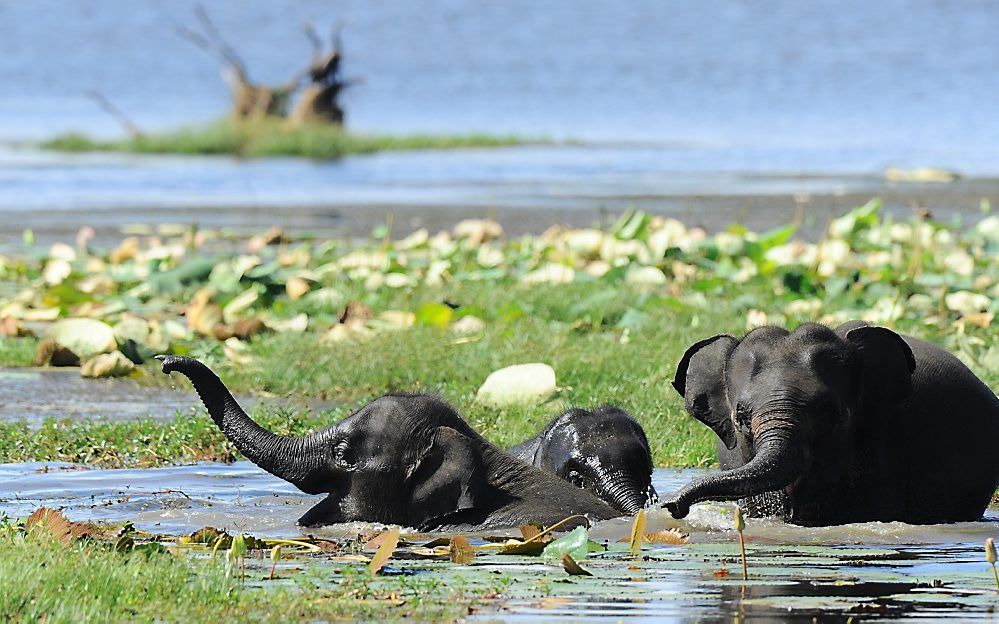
(323, 318)
(990, 556)
(740, 525)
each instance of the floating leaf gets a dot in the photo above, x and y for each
(387, 544)
(637, 533)
(667, 537)
(461, 551)
(576, 542)
(573, 568)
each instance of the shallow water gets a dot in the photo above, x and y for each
(874, 570)
(36, 394)
(33, 395)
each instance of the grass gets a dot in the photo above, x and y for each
(272, 137)
(576, 328)
(45, 580)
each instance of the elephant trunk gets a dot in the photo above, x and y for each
(624, 492)
(776, 464)
(300, 461)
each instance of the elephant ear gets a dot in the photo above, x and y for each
(700, 380)
(887, 365)
(448, 478)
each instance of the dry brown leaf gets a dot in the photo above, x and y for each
(10, 327)
(387, 543)
(203, 314)
(461, 551)
(573, 568)
(637, 533)
(530, 531)
(127, 250)
(517, 547)
(667, 536)
(437, 541)
(56, 524)
(356, 311)
(51, 353)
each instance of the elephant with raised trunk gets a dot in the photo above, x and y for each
(852, 424)
(405, 459)
(604, 451)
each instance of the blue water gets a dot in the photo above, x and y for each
(667, 98)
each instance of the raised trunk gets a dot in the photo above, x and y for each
(777, 464)
(300, 461)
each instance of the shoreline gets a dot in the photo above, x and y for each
(960, 199)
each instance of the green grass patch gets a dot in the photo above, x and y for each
(43, 580)
(272, 137)
(576, 328)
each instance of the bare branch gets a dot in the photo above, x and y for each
(212, 42)
(132, 129)
(310, 34)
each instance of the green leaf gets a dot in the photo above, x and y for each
(632, 224)
(576, 543)
(434, 314)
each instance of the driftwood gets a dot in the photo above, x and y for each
(318, 101)
(249, 100)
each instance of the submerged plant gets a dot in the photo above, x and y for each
(990, 556)
(740, 524)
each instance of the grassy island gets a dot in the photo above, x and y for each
(272, 137)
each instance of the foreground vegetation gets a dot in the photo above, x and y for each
(108, 575)
(271, 137)
(610, 310)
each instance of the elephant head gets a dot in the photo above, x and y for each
(797, 404)
(405, 459)
(604, 451)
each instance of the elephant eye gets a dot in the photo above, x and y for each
(576, 479)
(742, 417)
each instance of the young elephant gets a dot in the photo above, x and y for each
(604, 451)
(851, 424)
(405, 459)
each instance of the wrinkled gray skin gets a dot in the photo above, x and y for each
(852, 424)
(604, 451)
(405, 459)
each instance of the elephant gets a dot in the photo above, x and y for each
(604, 451)
(833, 426)
(406, 459)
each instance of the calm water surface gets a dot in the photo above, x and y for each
(886, 571)
(676, 103)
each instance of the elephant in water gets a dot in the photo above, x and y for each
(405, 459)
(852, 424)
(604, 451)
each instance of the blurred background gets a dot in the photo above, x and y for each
(714, 112)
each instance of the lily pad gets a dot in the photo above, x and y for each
(521, 384)
(84, 337)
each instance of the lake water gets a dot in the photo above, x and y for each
(886, 571)
(713, 111)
